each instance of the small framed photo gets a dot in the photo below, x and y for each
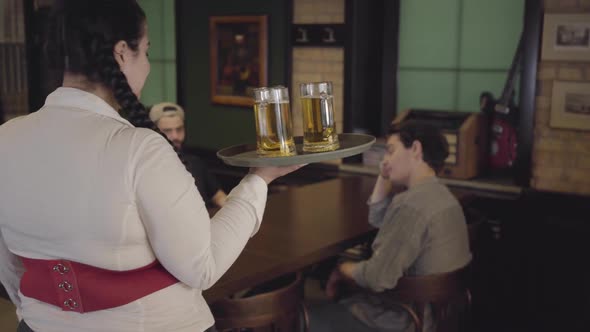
(570, 105)
(238, 58)
(566, 37)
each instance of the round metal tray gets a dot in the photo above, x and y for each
(245, 155)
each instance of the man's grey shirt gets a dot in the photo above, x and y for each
(421, 231)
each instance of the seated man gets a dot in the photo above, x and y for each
(169, 118)
(422, 230)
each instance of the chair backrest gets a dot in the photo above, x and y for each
(445, 292)
(278, 310)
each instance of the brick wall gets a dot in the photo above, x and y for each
(313, 64)
(561, 157)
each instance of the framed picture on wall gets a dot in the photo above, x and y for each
(570, 105)
(566, 37)
(238, 58)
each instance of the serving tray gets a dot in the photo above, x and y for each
(244, 155)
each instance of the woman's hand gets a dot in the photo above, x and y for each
(269, 174)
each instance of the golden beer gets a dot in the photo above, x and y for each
(274, 127)
(319, 126)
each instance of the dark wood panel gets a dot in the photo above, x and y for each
(371, 57)
(531, 45)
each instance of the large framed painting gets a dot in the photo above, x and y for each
(238, 58)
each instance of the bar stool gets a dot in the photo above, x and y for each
(281, 309)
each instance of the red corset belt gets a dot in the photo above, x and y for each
(83, 288)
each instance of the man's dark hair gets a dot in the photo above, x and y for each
(435, 148)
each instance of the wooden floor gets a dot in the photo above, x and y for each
(8, 320)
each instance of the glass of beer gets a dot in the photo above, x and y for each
(319, 126)
(274, 126)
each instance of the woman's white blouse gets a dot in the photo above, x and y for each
(79, 182)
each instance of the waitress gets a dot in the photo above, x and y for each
(101, 226)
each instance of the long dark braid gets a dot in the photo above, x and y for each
(131, 108)
(81, 38)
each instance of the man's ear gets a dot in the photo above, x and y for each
(120, 52)
(417, 149)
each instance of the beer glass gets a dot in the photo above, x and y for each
(274, 126)
(319, 126)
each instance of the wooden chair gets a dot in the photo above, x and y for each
(279, 310)
(447, 293)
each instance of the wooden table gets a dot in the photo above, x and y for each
(300, 227)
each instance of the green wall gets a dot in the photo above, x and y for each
(212, 126)
(161, 83)
(452, 50)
